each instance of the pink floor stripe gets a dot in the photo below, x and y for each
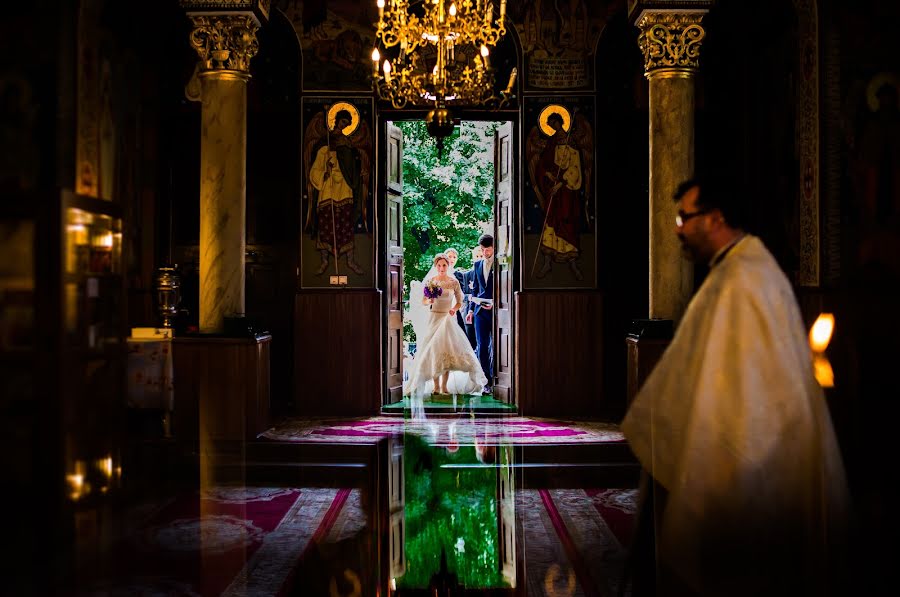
(578, 564)
(324, 527)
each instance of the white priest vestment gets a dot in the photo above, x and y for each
(734, 425)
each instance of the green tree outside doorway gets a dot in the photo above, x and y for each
(447, 202)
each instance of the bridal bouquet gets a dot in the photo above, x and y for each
(432, 290)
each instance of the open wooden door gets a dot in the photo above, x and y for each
(503, 250)
(394, 292)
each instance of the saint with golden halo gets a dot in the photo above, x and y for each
(336, 159)
(560, 159)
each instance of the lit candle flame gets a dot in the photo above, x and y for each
(375, 58)
(453, 10)
(106, 465)
(823, 372)
(820, 333)
(76, 485)
(819, 337)
(105, 240)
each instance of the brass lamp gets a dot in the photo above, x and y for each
(168, 289)
(439, 123)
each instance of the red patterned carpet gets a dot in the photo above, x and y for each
(259, 541)
(247, 541)
(576, 541)
(445, 431)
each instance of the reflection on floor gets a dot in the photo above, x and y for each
(576, 541)
(573, 542)
(451, 403)
(223, 541)
(445, 505)
(461, 429)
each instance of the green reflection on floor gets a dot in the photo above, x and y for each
(445, 402)
(450, 509)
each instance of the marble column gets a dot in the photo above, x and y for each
(223, 190)
(225, 44)
(670, 40)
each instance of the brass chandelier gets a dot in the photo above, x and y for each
(431, 66)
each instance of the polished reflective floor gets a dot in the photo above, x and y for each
(425, 505)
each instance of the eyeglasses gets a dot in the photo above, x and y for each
(682, 217)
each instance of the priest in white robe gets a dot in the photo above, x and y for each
(734, 427)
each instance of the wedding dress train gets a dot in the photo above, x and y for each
(441, 346)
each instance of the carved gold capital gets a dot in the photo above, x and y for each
(671, 42)
(225, 42)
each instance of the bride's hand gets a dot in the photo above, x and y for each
(452, 312)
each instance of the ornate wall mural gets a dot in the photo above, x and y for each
(559, 197)
(338, 177)
(337, 40)
(869, 160)
(559, 39)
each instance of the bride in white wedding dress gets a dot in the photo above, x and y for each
(442, 346)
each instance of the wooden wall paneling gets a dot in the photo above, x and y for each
(221, 387)
(559, 353)
(338, 352)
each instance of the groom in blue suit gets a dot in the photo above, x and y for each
(483, 313)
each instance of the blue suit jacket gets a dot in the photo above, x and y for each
(482, 289)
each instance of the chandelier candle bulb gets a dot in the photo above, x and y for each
(484, 55)
(512, 81)
(376, 58)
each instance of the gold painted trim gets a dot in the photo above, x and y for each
(671, 73)
(808, 143)
(264, 7)
(224, 75)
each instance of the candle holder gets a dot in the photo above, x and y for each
(168, 290)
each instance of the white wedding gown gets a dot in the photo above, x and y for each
(442, 346)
